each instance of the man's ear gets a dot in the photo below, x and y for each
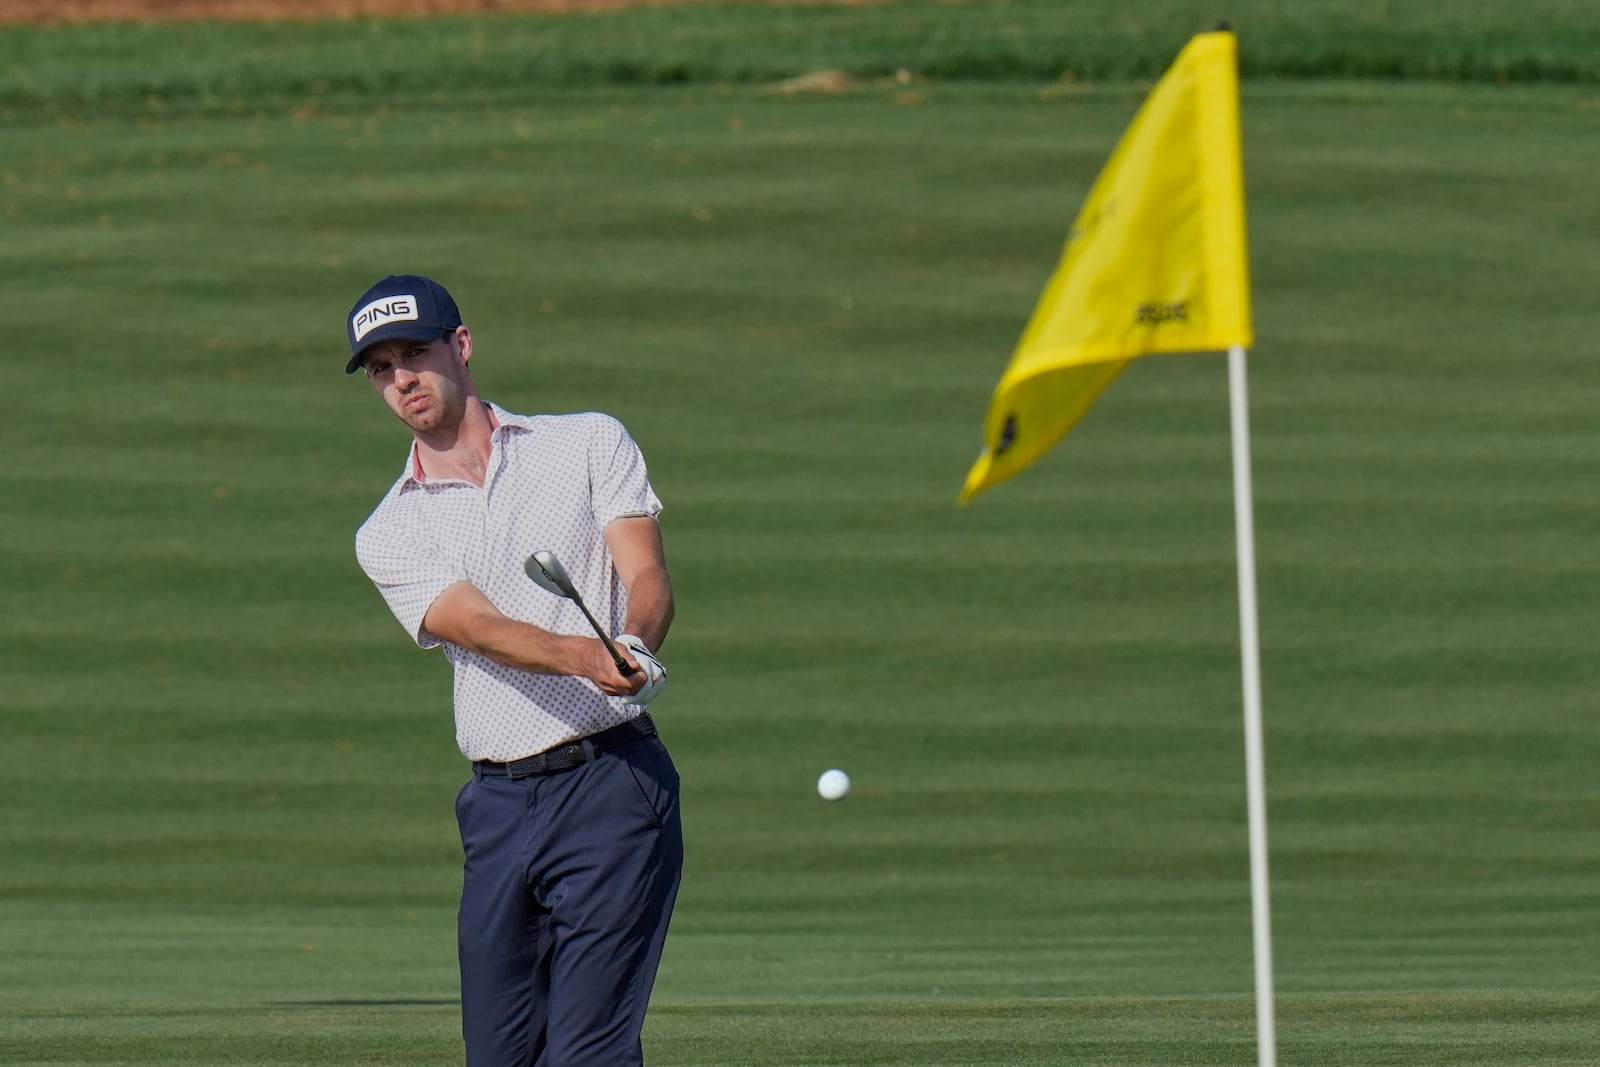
(464, 339)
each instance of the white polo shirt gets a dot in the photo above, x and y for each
(553, 482)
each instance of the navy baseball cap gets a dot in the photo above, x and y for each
(402, 305)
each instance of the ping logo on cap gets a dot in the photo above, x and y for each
(381, 312)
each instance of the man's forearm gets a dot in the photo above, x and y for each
(519, 644)
(463, 616)
(650, 606)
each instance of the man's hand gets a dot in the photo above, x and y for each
(593, 661)
(651, 669)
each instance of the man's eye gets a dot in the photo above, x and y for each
(378, 368)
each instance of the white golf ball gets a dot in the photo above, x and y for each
(833, 784)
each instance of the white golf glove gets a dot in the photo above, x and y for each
(654, 672)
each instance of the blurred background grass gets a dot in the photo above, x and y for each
(243, 66)
(225, 777)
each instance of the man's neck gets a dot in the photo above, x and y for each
(461, 453)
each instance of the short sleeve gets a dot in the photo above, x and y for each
(617, 475)
(409, 576)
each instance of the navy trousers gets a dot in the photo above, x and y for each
(567, 890)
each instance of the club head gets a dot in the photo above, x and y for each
(548, 573)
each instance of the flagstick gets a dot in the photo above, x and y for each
(1250, 651)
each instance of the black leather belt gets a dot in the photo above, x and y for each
(565, 757)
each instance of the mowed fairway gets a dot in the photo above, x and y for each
(226, 781)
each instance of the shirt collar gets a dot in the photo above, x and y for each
(499, 419)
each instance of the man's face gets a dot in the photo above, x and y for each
(423, 382)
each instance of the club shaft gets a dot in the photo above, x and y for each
(622, 664)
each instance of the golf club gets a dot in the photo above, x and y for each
(548, 574)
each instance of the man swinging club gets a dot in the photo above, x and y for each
(569, 823)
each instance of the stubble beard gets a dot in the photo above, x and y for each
(441, 414)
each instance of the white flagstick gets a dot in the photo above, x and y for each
(1250, 654)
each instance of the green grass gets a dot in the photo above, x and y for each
(241, 68)
(225, 780)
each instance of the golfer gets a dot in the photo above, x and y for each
(570, 821)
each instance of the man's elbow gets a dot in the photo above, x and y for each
(463, 616)
(477, 633)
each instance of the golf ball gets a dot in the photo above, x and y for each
(833, 784)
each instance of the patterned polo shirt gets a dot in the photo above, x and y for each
(553, 482)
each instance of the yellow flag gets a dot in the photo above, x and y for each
(1155, 262)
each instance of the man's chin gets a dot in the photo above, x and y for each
(430, 418)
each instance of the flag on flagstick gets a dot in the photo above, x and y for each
(1156, 263)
